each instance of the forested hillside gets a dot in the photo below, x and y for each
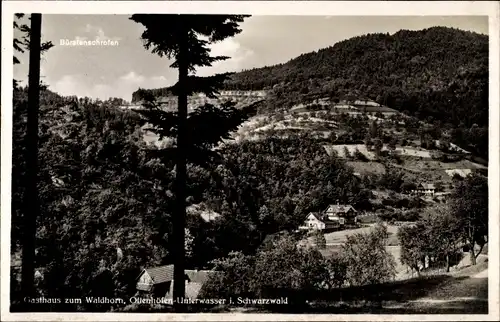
(440, 72)
(107, 200)
(99, 195)
(439, 75)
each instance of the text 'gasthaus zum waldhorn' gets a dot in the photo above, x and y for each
(162, 300)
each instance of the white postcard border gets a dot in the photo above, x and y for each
(320, 8)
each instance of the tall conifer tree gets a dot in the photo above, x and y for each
(186, 40)
(30, 40)
(31, 207)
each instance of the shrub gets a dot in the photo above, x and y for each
(277, 269)
(320, 240)
(287, 267)
(408, 186)
(360, 156)
(410, 215)
(347, 153)
(337, 269)
(234, 279)
(368, 261)
(414, 244)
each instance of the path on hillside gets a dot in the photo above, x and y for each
(463, 294)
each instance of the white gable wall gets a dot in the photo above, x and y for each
(314, 223)
(144, 281)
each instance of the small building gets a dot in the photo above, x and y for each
(428, 189)
(344, 214)
(318, 221)
(333, 218)
(158, 281)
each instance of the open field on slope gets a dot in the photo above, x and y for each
(358, 106)
(339, 149)
(339, 237)
(366, 167)
(404, 151)
(437, 165)
(435, 294)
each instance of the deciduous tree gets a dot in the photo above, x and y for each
(470, 206)
(443, 233)
(414, 242)
(367, 258)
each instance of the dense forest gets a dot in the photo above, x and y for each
(98, 194)
(439, 72)
(107, 200)
(157, 92)
(439, 75)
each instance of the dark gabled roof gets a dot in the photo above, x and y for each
(328, 221)
(161, 274)
(318, 215)
(322, 217)
(331, 223)
(199, 276)
(340, 208)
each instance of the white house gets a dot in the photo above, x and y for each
(334, 217)
(313, 222)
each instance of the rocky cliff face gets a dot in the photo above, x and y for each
(242, 98)
(165, 96)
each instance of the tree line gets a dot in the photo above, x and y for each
(445, 231)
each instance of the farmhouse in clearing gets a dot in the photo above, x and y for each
(333, 218)
(427, 189)
(158, 281)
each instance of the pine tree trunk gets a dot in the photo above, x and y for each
(31, 203)
(180, 178)
(447, 263)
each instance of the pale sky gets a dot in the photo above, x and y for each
(117, 71)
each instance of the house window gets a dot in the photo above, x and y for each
(342, 221)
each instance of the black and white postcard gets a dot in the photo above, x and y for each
(249, 160)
